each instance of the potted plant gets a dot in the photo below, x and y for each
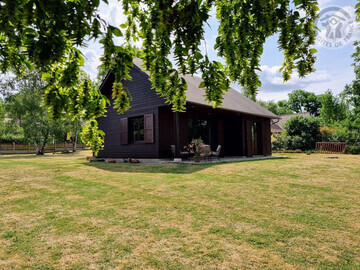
(197, 147)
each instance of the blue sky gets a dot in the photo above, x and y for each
(333, 65)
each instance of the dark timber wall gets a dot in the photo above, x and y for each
(144, 101)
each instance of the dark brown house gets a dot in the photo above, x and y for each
(149, 127)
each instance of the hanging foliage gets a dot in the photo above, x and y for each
(45, 34)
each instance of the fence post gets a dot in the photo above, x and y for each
(54, 146)
(13, 146)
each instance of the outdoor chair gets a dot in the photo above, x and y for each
(216, 154)
(207, 152)
(184, 155)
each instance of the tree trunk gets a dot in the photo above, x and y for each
(75, 135)
(38, 150)
(74, 142)
(74, 146)
(43, 148)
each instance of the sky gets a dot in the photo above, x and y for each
(333, 64)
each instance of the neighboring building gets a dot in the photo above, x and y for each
(277, 125)
(149, 127)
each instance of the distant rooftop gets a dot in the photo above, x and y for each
(285, 117)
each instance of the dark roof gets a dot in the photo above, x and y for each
(233, 100)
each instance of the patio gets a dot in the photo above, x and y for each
(228, 159)
(191, 160)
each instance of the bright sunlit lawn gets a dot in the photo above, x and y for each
(60, 211)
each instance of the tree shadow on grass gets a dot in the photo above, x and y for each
(149, 168)
(176, 168)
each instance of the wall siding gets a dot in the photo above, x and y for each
(144, 101)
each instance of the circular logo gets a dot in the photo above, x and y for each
(335, 27)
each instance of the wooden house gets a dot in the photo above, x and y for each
(149, 127)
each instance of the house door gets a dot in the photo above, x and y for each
(256, 138)
(233, 137)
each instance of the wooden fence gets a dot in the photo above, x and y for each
(14, 148)
(330, 147)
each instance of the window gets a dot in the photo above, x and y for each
(137, 128)
(198, 129)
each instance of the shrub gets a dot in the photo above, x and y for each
(278, 141)
(295, 143)
(355, 150)
(351, 137)
(302, 133)
(327, 134)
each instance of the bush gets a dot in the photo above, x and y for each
(327, 134)
(13, 140)
(295, 143)
(302, 133)
(351, 137)
(355, 150)
(11, 132)
(278, 141)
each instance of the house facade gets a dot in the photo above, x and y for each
(150, 127)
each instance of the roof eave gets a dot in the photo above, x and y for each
(237, 111)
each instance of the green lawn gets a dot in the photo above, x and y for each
(60, 211)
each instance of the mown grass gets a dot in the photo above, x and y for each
(62, 212)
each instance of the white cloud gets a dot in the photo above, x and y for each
(92, 61)
(273, 76)
(112, 13)
(273, 87)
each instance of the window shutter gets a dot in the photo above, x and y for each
(124, 133)
(149, 128)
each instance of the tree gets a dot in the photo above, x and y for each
(75, 128)
(46, 35)
(25, 106)
(303, 101)
(351, 92)
(302, 132)
(332, 108)
(279, 108)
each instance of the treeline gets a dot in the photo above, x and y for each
(25, 119)
(333, 118)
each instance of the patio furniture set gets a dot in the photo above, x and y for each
(206, 154)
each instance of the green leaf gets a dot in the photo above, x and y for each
(198, 56)
(116, 31)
